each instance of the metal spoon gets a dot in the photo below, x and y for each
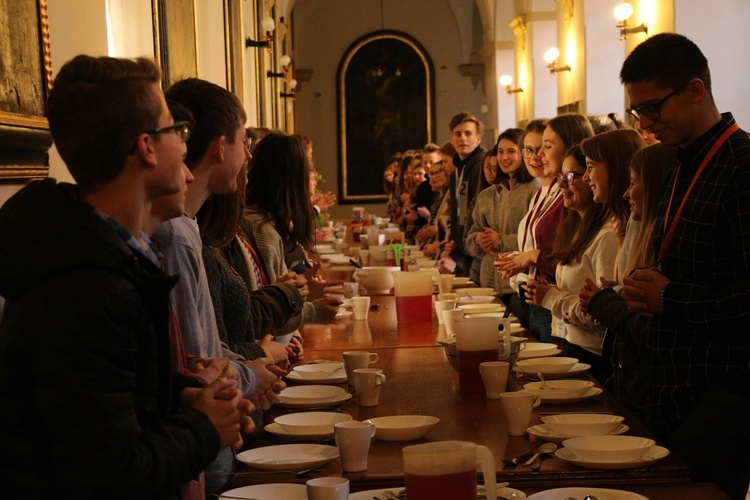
(544, 384)
(544, 450)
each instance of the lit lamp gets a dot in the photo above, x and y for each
(292, 86)
(267, 24)
(550, 57)
(505, 81)
(622, 14)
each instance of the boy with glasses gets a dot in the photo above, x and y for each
(699, 296)
(88, 401)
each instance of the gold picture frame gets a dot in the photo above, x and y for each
(175, 39)
(26, 66)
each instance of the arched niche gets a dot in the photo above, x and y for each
(385, 89)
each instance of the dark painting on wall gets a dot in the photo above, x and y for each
(385, 106)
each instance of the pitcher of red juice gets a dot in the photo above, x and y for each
(448, 469)
(476, 342)
(413, 290)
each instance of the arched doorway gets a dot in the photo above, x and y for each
(385, 87)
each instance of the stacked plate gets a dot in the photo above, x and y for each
(318, 373)
(565, 493)
(558, 428)
(288, 457)
(552, 367)
(313, 396)
(539, 350)
(611, 452)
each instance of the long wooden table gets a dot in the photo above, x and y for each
(421, 381)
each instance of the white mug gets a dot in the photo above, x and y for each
(517, 409)
(357, 359)
(443, 305)
(367, 382)
(494, 377)
(361, 307)
(351, 289)
(328, 488)
(353, 441)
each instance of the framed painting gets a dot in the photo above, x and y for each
(385, 88)
(26, 69)
(175, 36)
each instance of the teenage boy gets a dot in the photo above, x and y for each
(699, 295)
(88, 401)
(466, 137)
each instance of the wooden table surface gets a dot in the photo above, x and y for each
(420, 381)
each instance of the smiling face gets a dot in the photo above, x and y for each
(437, 177)
(577, 195)
(224, 176)
(552, 153)
(597, 177)
(675, 124)
(636, 195)
(508, 157)
(465, 138)
(419, 174)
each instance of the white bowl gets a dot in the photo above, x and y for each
(310, 393)
(403, 427)
(318, 370)
(460, 281)
(582, 424)
(475, 292)
(479, 308)
(546, 365)
(539, 350)
(377, 279)
(609, 449)
(559, 389)
(378, 254)
(311, 422)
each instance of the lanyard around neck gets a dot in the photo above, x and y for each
(669, 232)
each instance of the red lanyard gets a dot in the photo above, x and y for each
(669, 233)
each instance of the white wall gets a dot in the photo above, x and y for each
(720, 30)
(212, 59)
(604, 56)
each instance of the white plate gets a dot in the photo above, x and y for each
(327, 403)
(288, 456)
(593, 392)
(325, 249)
(278, 431)
(320, 373)
(542, 431)
(539, 350)
(310, 393)
(271, 492)
(576, 369)
(602, 493)
(653, 455)
(476, 300)
(508, 493)
(344, 313)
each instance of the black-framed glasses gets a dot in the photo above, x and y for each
(182, 129)
(437, 172)
(650, 110)
(529, 152)
(567, 178)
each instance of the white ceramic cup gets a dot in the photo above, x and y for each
(361, 307)
(364, 257)
(517, 409)
(494, 377)
(448, 316)
(354, 252)
(443, 305)
(367, 382)
(357, 359)
(351, 289)
(328, 488)
(448, 296)
(445, 283)
(353, 441)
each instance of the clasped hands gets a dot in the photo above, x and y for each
(486, 240)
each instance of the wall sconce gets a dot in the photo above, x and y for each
(505, 81)
(267, 25)
(284, 61)
(292, 86)
(550, 58)
(622, 14)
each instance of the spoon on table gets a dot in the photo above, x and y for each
(544, 450)
(544, 384)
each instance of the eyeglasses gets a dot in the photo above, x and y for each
(182, 129)
(249, 143)
(567, 178)
(529, 152)
(650, 110)
(437, 172)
